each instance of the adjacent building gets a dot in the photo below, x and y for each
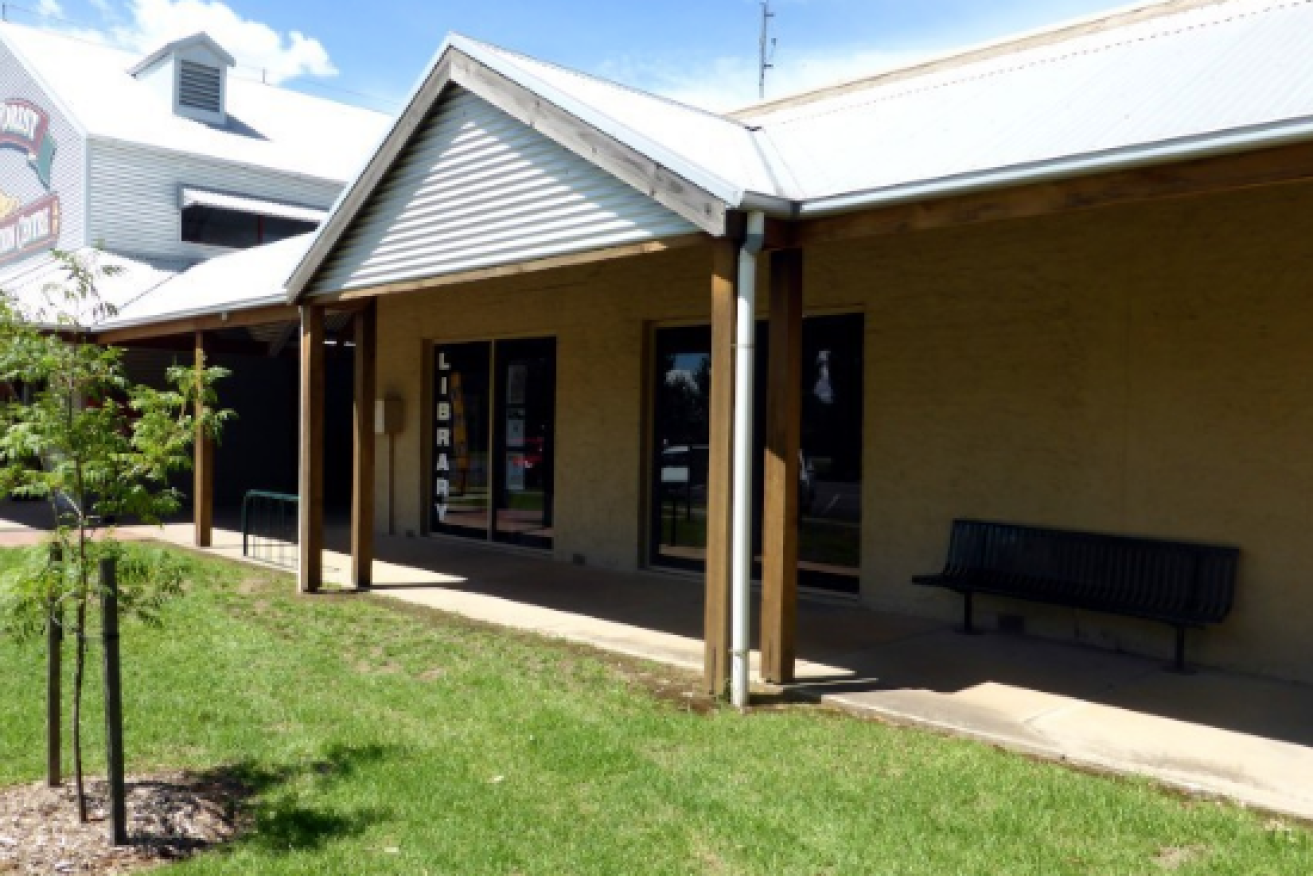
(162, 161)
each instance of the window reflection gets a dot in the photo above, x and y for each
(830, 474)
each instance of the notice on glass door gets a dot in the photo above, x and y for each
(514, 427)
(515, 472)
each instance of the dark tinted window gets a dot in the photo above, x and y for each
(236, 230)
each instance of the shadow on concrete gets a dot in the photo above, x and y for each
(868, 653)
(874, 651)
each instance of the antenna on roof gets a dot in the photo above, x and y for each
(767, 49)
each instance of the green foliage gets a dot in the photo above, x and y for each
(87, 440)
(77, 433)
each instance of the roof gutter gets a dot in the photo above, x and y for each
(279, 298)
(1127, 158)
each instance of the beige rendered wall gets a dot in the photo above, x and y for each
(1143, 370)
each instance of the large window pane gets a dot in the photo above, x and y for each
(526, 410)
(460, 439)
(829, 524)
(830, 488)
(682, 393)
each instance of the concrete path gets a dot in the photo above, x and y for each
(1241, 737)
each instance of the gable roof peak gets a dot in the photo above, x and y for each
(199, 39)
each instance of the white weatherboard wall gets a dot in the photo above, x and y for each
(18, 181)
(136, 204)
(476, 188)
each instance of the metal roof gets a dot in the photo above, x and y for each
(1201, 72)
(269, 127)
(237, 281)
(1150, 84)
(34, 286)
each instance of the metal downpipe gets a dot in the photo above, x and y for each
(741, 498)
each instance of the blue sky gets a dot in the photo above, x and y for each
(702, 51)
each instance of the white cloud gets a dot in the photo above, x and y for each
(50, 9)
(145, 25)
(730, 82)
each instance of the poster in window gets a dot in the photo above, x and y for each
(517, 378)
(515, 472)
(514, 427)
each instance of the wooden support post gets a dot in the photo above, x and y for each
(362, 457)
(719, 465)
(203, 463)
(779, 584)
(109, 630)
(310, 524)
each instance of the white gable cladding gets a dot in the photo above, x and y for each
(476, 188)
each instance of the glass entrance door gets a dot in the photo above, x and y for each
(461, 403)
(525, 445)
(494, 410)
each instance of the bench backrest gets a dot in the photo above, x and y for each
(1145, 576)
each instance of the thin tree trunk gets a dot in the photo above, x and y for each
(81, 650)
(80, 632)
(54, 675)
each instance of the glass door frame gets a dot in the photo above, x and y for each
(428, 459)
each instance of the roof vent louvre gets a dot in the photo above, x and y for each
(200, 87)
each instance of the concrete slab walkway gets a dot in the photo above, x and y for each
(1245, 738)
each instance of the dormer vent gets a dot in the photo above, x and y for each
(191, 73)
(200, 87)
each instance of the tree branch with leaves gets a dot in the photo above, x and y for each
(98, 449)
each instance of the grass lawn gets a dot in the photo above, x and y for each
(382, 740)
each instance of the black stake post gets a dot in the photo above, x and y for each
(54, 675)
(109, 612)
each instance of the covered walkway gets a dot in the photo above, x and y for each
(1243, 737)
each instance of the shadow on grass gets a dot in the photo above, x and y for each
(274, 809)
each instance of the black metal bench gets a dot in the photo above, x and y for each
(1180, 584)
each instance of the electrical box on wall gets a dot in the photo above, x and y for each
(387, 416)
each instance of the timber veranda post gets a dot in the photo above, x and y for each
(779, 577)
(310, 473)
(203, 458)
(724, 273)
(362, 457)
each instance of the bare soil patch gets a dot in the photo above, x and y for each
(170, 817)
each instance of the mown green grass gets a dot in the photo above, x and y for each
(387, 741)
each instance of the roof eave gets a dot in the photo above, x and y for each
(1213, 143)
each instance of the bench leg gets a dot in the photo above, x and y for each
(1179, 666)
(968, 629)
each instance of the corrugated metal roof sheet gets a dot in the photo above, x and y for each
(35, 285)
(237, 281)
(269, 126)
(1212, 69)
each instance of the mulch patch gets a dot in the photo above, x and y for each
(170, 817)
